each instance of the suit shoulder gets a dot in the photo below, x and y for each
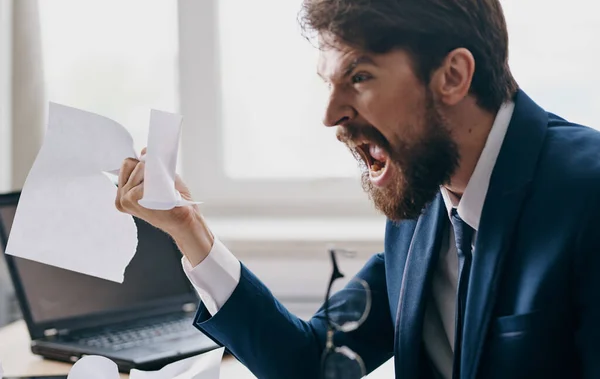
(571, 156)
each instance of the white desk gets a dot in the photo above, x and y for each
(17, 359)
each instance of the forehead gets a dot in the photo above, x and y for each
(337, 62)
(335, 59)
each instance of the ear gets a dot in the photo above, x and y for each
(452, 80)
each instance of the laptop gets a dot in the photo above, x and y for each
(145, 323)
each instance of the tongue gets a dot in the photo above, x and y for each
(377, 153)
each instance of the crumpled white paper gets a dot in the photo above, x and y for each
(203, 366)
(161, 162)
(66, 215)
(94, 367)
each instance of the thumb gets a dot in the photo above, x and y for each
(182, 188)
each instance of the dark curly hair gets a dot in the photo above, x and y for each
(428, 30)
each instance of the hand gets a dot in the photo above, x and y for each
(185, 224)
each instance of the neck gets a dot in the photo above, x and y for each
(470, 127)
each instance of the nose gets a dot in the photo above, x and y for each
(338, 111)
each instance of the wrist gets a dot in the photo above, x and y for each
(194, 240)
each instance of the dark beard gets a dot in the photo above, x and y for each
(420, 169)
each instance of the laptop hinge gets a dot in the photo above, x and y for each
(55, 332)
(50, 332)
(189, 307)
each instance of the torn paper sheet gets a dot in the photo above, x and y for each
(161, 163)
(66, 215)
(203, 366)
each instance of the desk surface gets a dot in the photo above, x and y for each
(17, 359)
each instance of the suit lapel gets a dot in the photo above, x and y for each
(421, 259)
(508, 189)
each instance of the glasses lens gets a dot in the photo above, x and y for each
(343, 363)
(349, 307)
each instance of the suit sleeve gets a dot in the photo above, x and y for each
(258, 330)
(587, 279)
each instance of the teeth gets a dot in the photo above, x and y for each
(377, 169)
(355, 144)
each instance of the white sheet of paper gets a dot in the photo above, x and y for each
(66, 215)
(161, 163)
(94, 367)
(203, 366)
(1, 371)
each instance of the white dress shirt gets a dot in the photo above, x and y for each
(217, 276)
(438, 327)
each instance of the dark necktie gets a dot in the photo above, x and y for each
(463, 234)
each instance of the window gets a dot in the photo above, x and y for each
(253, 141)
(554, 55)
(115, 58)
(251, 95)
(244, 79)
(272, 101)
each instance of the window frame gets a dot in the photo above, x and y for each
(5, 96)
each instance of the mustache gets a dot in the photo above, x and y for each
(356, 132)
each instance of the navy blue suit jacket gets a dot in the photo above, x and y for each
(533, 307)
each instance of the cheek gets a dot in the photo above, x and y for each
(395, 113)
(379, 108)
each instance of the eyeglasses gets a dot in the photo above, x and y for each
(345, 312)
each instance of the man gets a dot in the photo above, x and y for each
(491, 266)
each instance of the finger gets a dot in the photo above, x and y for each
(136, 177)
(126, 170)
(182, 188)
(131, 198)
(143, 155)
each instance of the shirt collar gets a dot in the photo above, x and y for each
(470, 206)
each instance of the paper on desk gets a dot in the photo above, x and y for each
(94, 367)
(161, 163)
(66, 215)
(203, 366)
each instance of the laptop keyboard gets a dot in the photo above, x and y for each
(141, 336)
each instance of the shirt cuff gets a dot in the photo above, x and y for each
(216, 277)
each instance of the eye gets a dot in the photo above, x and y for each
(360, 77)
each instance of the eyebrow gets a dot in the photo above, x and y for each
(363, 59)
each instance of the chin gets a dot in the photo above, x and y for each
(396, 198)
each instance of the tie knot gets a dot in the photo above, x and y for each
(463, 233)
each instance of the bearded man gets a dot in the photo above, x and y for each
(491, 266)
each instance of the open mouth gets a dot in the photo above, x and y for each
(375, 158)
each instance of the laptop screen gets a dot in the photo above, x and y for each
(153, 276)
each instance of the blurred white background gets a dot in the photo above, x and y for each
(277, 185)
(121, 58)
